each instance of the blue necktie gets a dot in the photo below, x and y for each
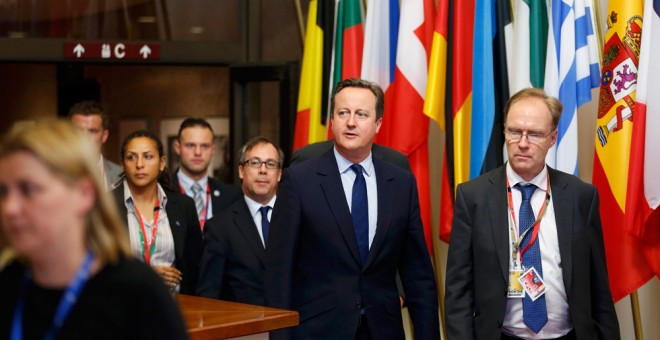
(265, 224)
(360, 212)
(535, 314)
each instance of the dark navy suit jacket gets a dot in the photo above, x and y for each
(312, 261)
(233, 259)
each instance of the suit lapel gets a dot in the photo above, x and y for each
(386, 196)
(243, 221)
(562, 202)
(496, 198)
(174, 217)
(334, 194)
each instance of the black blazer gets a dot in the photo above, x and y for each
(222, 195)
(380, 152)
(182, 215)
(478, 260)
(312, 261)
(233, 259)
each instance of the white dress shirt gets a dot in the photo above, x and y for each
(559, 320)
(254, 207)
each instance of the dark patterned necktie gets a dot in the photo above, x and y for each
(265, 224)
(360, 212)
(535, 314)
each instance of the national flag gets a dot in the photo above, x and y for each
(380, 42)
(489, 68)
(571, 72)
(349, 41)
(348, 45)
(643, 194)
(435, 102)
(530, 35)
(405, 126)
(627, 267)
(315, 75)
(458, 107)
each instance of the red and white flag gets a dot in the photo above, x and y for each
(643, 194)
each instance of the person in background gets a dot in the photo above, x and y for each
(235, 241)
(527, 220)
(162, 224)
(343, 224)
(195, 148)
(69, 241)
(90, 116)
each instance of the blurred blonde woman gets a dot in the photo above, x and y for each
(73, 275)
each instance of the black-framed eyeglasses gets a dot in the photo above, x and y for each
(256, 163)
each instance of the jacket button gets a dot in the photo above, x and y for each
(358, 305)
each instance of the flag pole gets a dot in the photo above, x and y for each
(301, 28)
(599, 27)
(637, 320)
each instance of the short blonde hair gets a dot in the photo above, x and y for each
(553, 104)
(67, 151)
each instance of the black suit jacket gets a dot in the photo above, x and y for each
(312, 261)
(182, 215)
(478, 260)
(233, 259)
(380, 152)
(222, 195)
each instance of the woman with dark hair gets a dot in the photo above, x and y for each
(162, 224)
(69, 272)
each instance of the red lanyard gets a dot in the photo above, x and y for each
(202, 218)
(148, 248)
(537, 222)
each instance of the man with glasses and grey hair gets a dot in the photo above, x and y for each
(525, 226)
(235, 240)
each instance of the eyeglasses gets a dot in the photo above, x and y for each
(533, 137)
(256, 163)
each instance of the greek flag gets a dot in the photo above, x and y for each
(571, 72)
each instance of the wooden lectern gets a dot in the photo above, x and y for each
(216, 319)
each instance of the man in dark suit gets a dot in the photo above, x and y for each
(378, 151)
(195, 147)
(526, 220)
(344, 223)
(90, 116)
(235, 240)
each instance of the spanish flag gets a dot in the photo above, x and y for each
(627, 267)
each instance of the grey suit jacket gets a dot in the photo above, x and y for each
(113, 173)
(478, 260)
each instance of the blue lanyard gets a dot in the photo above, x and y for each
(67, 300)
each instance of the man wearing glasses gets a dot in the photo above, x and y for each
(194, 146)
(236, 240)
(527, 223)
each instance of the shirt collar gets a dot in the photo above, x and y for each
(128, 197)
(541, 180)
(187, 182)
(344, 164)
(254, 206)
